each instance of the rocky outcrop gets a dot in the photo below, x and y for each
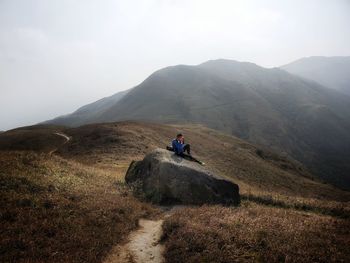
(164, 177)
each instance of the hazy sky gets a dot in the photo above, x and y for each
(57, 55)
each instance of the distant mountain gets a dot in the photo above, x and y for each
(270, 107)
(332, 72)
(93, 110)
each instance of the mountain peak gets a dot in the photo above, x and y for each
(227, 62)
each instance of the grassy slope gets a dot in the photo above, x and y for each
(254, 233)
(57, 210)
(256, 170)
(71, 201)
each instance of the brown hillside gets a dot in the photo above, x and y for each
(66, 201)
(113, 145)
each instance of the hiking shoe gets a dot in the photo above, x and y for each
(169, 148)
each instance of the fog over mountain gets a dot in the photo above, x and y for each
(269, 107)
(332, 72)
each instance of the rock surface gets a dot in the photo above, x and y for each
(166, 178)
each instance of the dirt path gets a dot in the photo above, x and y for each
(66, 137)
(143, 245)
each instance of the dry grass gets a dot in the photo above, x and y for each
(112, 146)
(73, 206)
(319, 206)
(254, 233)
(54, 210)
(255, 170)
(39, 138)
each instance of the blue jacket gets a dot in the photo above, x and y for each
(177, 146)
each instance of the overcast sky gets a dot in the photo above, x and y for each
(57, 55)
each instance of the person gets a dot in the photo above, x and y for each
(180, 148)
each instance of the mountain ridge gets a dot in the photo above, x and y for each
(332, 72)
(82, 114)
(269, 107)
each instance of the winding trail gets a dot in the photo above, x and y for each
(66, 137)
(142, 245)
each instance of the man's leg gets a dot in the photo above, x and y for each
(187, 148)
(191, 158)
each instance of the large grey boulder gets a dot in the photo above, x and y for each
(164, 177)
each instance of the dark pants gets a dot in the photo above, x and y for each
(186, 148)
(188, 156)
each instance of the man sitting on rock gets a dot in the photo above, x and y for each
(179, 146)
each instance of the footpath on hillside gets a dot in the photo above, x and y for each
(143, 244)
(66, 137)
(163, 177)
